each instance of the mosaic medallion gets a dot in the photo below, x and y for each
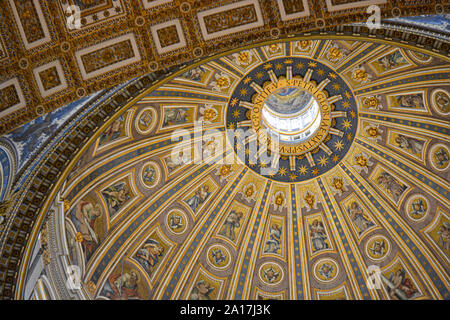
(441, 101)
(271, 273)
(378, 247)
(219, 257)
(439, 157)
(417, 207)
(150, 174)
(177, 221)
(326, 270)
(146, 121)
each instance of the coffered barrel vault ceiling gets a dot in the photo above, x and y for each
(45, 63)
(373, 193)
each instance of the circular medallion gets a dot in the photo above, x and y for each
(65, 46)
(271, 273)
(219, 257)
(177, 221)
(291, 119)
(150, 174)
(439, 157)
(378, 247)
(145, 120)
(40, 110)
(139, 21)
(325, 270)
(417, 207)
(185, 7)
(23, 63)
(197, 52)
(81, 92)
(440, 100)
(153, 66)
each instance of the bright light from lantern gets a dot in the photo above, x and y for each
(292, 114)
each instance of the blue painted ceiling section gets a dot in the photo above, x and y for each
(7, 166)
(439, 23)
(29, 138)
